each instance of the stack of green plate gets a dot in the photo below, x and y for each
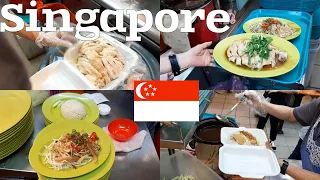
(16, 121)
(99, 170)
(52, 113)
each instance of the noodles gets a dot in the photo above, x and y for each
(273, 27)
(72, 150)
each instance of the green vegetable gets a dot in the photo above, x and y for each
(74, 132)
(259, 45)
(85, 135)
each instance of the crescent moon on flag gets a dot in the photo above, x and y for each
(138, 90)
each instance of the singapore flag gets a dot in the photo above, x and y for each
(166, 101)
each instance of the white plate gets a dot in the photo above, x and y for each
(227, 132)
(248, 161)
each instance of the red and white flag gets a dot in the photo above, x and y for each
(166, 101)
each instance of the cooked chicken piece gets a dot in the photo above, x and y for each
(271, 60)
(256, 62)
(238, 61)
(108, 69)
(90, 69)
(232, 59)
(282, 56)
(100, 62)
(238, 138)
(242, 47)
(250, 137)
(245, 59)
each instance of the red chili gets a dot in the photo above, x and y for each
(74, 146)
(93, 136)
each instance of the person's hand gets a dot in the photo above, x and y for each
(253, 100)
(198, 56)
(54, 39)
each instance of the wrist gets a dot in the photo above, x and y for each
(183, 60)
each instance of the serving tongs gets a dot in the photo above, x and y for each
(223, 118)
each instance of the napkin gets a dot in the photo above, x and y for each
(133, 144)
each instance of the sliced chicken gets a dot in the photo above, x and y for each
(237, 54)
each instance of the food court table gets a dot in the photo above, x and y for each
(131, 165)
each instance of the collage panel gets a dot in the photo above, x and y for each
(75, 135)
(240, 135)
(60, 59)
(255, 45)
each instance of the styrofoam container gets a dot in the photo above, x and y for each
(64, 74)
(131, 58)
(226, 133)
(58, 75)
(247, 161)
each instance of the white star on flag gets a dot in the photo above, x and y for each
(166, 100)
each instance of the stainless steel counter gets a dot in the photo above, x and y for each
(131, 165)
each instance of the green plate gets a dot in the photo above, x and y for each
(246, 26)
(55, 130)
(53, 114)
(103, 172)
(8, 134)
(17, 139)
(15, 145)
(14, 105)
(221, 58)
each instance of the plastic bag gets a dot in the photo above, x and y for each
(254, 100)
(235, 83)
(134, 65)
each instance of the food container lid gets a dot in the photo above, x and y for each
(227, 132)
(248, 162)
(104, 109)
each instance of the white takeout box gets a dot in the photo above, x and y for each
(52, 76)
(247, 161)
(58, 75)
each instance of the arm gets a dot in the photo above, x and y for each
(299, 173)
(279, 111)
(197, 56)
(165, 65)
(23, 33)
